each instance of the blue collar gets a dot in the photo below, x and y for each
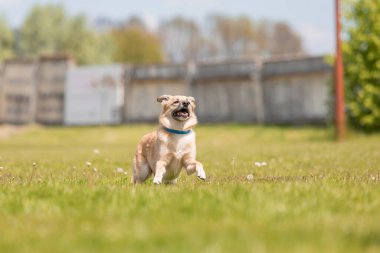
(173, 131)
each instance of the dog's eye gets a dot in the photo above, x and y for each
(176, 102)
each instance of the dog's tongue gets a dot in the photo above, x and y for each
(183, 114)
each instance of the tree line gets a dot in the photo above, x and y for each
(50, 29)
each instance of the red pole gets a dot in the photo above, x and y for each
(339, 82)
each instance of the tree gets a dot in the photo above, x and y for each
(135, 44)
(87, 46)
(284, 40)
(277, 38)
(47, 29)
(362, 64)
(135, 21)
(6, 39)
(241, 36)
(235, 37)
(182, 40)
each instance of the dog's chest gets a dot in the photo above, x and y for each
(181, 146)
(178, 145)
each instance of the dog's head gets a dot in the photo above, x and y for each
(178, 112)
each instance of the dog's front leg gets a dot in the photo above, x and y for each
(201, 174)
(192, 166)
(160, 171)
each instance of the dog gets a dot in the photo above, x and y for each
(171, 147)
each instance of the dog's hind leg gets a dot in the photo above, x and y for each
(141, 170)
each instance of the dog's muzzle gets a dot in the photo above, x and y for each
(182, 113)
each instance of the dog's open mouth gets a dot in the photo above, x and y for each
(181, 114)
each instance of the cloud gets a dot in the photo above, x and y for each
(317, 39)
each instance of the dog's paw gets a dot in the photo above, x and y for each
(201, 175)
(157, 181)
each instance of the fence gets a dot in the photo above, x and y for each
(18, 91)
(144, 83)
(51, 90)
(51, 79)
(296, 90)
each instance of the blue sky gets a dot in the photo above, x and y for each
(313, 19)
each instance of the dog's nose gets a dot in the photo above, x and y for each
(185, 104)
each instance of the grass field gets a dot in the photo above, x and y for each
(314, 195)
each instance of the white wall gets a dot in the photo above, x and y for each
(94, 95)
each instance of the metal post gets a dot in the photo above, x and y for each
(339, 82)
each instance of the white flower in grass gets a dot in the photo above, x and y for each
(1, 168)
(96, 151)
(88, 164)
(119, 170)
(95, 169)
(125, 173)
(260, 164)
(249, 177)
(34, 164)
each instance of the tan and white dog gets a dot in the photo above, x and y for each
(166, 151)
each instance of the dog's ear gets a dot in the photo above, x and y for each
(191, 99)
(163, 99)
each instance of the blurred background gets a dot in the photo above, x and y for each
(105, 62)
(97, 32)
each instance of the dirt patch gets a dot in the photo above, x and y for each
(7, 131)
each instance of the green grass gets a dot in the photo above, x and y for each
(314, 195)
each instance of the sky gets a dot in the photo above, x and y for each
(312, 19)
